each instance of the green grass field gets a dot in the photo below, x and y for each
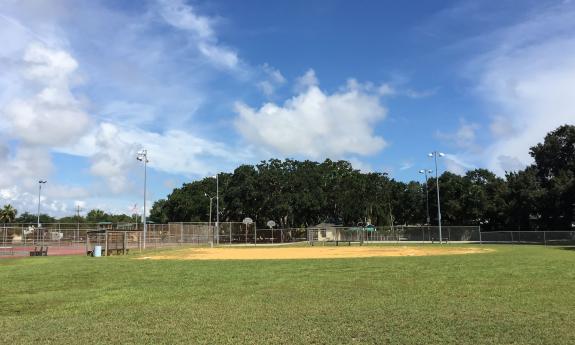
(515, 295)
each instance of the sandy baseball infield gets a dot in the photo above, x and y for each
(317, 252)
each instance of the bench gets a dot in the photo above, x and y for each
(6, 250)
(445, 239)
(337, 242)
(43, 251)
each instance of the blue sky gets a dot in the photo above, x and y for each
(206, 86)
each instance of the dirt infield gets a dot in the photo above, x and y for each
(275, 253)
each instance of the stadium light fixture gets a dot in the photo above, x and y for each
(425, 172)
(434, 155)
(142, 156)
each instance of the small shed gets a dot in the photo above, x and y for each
(327, 232)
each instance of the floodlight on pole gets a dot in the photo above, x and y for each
(434, 155)
(142, 156)
(40, 183)
(425, 172)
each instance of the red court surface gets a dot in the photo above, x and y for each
(21, 252)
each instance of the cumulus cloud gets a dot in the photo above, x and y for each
(307, 80)
(113, 158)
(112, 149)
(314, 123)
(42, 112)
(52, 116)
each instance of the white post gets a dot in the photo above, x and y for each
(143, 157)
(210, 222)
(39, 191)
(217, 209)
(434, 154)
(40, 183)
(145, 188)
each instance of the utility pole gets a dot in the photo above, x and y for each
(40, 183)
(434, 155)
(78, 209)
(143, 157)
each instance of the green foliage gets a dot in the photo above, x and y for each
(302, 193)
(8, 214)
(28, 218)
(96, 216)
(292, 193)
(158, 213)
(555, 163)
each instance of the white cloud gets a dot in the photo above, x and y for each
(273, 80)
(54, 198)
(307, 80)
(529, 80)
(220, 56)
(386, 90)
(405, 165)
(112, 149)
(129, 113)
(53, 116)
(114, 157)
(184, 17)
(455, 164)
(464, 137)
(315, 124)
(419, 93)
(360, 165)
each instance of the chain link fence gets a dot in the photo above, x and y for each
(530, 237)
(419, 234)
(18, 239)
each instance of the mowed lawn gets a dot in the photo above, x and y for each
(514, 295)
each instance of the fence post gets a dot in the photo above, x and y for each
(479, 228)
(545, 238)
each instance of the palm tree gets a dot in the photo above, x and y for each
(8, 214)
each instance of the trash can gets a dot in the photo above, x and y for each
(97, 251)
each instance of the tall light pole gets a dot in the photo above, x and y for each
(218, 208)
(142, 156)
(210, 220)
(425, 172)
(40, 183)
(434, 155)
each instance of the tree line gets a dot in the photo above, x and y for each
(304, 193)
(8, 214)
